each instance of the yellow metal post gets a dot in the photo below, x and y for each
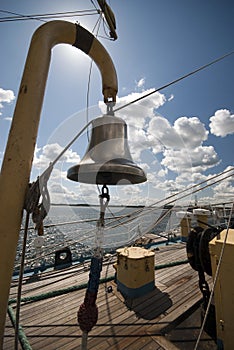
(19, 152)
(224, 288)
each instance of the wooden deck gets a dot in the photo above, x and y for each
(50, 323)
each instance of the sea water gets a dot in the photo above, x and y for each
(77, 227)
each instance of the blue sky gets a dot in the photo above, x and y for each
(180, 136)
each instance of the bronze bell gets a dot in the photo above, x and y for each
(107, 160)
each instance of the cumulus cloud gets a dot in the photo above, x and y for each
(172, 155)
(61, 194)
(225, 188)
(161, 134)
(181, 145)
(191, 130)
(6, 96)
(137, 113)
(185, 133)
(198, 160)
(43, 156)
(222, 123)
(138, 141)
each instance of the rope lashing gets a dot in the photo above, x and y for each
(87, 314)
(36, 191)
(32, 205)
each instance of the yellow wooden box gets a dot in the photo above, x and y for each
(135, 271)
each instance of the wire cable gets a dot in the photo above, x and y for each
(175, 81)
(89, 77)
(89, 233)
(42, 17)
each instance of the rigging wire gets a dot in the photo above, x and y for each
(43, 16)
(138, 99)
(215, 278)
(175, 81)
(152, 206)
(57, 15)
(89, 77)
(94, 5)
(185, 195)
(144, 211)
(89, 234)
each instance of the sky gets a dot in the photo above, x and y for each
(181, 135)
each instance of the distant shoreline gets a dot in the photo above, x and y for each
(96, 205)
(112, 206)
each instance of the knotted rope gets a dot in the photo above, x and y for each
(87, 314)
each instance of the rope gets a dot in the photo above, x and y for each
(68, 145)
(20, 282)
(215, 280)
(87, 314)
(22, 337)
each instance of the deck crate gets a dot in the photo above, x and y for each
(135, 272)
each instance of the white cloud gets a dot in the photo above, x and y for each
(140, 83)
(6, 96)
(185, 133)
(222, 123)
(43, 156)
(191, 130)
(61, 194)
(137, 113)
(225, 188)
(181, 144)
(199, 159)
(172, 155)
(138, 141)
(7, 118)
(161, 134)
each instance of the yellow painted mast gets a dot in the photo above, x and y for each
(19, 152)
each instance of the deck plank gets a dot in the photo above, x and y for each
(122, 324)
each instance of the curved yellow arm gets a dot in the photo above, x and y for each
(19, 152)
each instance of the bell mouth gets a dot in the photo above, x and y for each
(115, 172)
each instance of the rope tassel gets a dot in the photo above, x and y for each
(87, 315)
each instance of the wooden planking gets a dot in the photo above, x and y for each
(9, 339)
(51, 323)
(75, 275)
